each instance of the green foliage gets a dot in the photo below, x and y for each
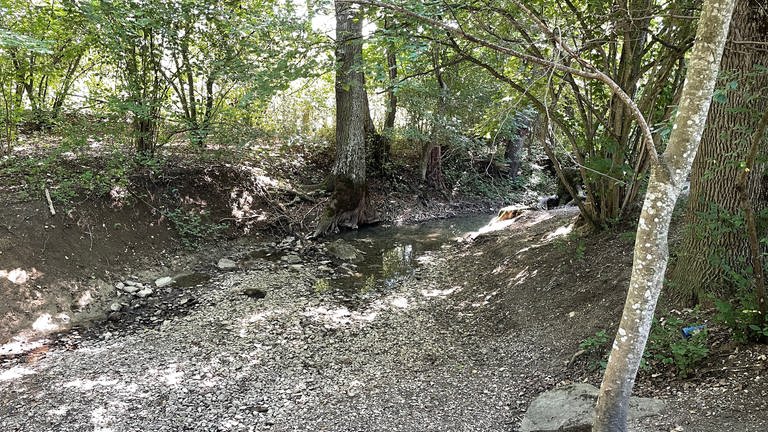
(322, 286)
(628, 236)
(742, 317)
(596, 347)
(192, 226)
(581, 247)
(667, 346)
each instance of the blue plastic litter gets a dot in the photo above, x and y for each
(692, 330)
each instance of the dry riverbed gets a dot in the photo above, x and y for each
(463, 343)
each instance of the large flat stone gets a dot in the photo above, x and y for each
(571, 409)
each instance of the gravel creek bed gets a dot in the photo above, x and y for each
(294, 360)
(299, 359)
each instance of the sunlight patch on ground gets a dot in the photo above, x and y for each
(60, 411)
(491, 227)
(15, 372)
(20, 276)
(88, 385)
(559, 232)
(19, 345)
(440, 293)
(171, 376)
(400, 302)
(521, 277)
(339, 316)
(258, 317)
(425, 259)
(101, 420)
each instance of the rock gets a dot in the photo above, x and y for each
(164, 281)
(255, 293)
(292, 259)
(344, 251)
(115, 307)
(134, 283)
(120, 285)
(144, 293)
(190, 279)
(131, 289)
(226, 264)
(571, 408)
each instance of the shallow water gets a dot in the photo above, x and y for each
(392, 253)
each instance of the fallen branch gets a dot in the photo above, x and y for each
(50, 203)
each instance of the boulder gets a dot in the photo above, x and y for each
(344, 251)
(571, 409)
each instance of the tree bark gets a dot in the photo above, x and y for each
(389, 119)
(711, 247)
(650, 255)
(348, 206)
(432, 154)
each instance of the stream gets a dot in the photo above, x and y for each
(390, 253)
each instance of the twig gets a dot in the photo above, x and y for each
(50, 203)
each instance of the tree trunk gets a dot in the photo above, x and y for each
(432, 155)
(145, 134)
(389, 119)
(713, 246)
(650, 255)
(348, 206)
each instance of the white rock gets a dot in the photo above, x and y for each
(164, 281)
(131, 289)
(144, 293)
(115, 307)
(226, 264)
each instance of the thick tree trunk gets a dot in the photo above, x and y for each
(650, 255)
(713, 245)
(348, 206)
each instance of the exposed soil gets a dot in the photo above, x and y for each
(466, 343)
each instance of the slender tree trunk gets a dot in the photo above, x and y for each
(432, 156)
(348, 207)
(713, 245)
(389, 119)
(666, 180)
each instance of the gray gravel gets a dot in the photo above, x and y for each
(295, 360)
(298, 360)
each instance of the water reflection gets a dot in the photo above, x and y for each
(392, 253)
(396, 263)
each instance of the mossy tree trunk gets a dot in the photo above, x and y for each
(715, 243)
(348, 206)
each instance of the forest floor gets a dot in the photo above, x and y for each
(267, 342)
